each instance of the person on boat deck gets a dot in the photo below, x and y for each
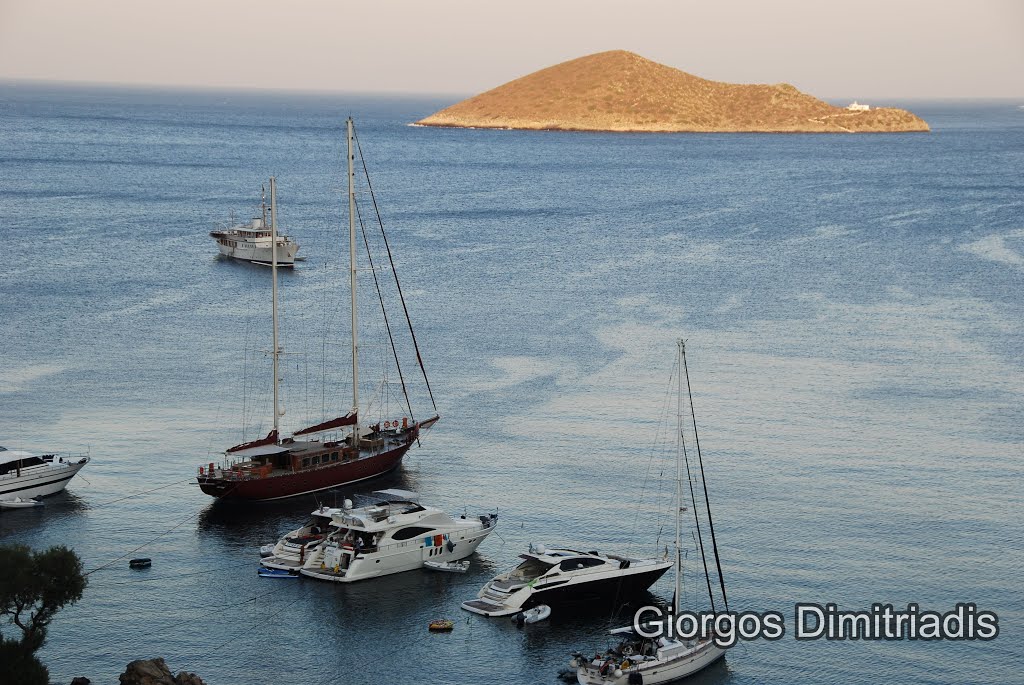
(359, 545)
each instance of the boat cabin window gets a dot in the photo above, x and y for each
(411, 532)
(315, 460)
(577, 564)
(531, 568)
(22, 463)
(334, 456)
(305, 462)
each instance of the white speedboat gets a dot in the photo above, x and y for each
(25, 475)
(19, 503)
(251, 242)
(565, 576)
(539, 613)
(293, 549)
(447, 566)
(394, 533)
(654, 657)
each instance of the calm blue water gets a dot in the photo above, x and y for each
(854, 315)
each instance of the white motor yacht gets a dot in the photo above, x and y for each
(25, 475)
(394, 533)
(565, 576)
(251, 242)
(292, 550)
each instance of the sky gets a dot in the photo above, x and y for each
(865, 49)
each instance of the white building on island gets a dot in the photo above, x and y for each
(857, 107)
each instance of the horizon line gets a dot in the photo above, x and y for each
(284, 90)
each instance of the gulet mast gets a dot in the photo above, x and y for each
(273, 298)
(273, 277)
(352, 279)
(679, 480)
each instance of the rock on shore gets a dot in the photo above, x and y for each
(622, 91)
(155, 672)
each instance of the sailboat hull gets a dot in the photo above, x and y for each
(303, 482)
(664, 669)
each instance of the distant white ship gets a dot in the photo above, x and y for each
(251, 242)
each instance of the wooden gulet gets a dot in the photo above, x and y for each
(318, 457)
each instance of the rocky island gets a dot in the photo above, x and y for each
(622, 91)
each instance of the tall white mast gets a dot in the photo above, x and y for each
(352, 279)
(273, 277)
(679, 479)
(263, 205)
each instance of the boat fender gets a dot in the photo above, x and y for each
(519, 619)
(624, 564)
(450, 545)
(635, 678)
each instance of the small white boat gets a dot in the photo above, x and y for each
(275, 573)
(449, 566)
(24, 475)
(267, 551)
(535, 615)
(19, 503)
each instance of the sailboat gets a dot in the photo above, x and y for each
(336, 451)
(639, 658)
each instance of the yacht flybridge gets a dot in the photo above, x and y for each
(563, 576)
(390, 534)
(251, 242)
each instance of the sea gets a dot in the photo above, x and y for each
(852, 308)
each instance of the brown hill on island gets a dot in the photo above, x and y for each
(622, 91)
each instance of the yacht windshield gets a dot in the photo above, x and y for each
(530, 569)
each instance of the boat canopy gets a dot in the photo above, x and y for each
(7, 456)
(346, 420)
(271, 439)
(259, 451)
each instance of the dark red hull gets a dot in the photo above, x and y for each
(302, 482)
